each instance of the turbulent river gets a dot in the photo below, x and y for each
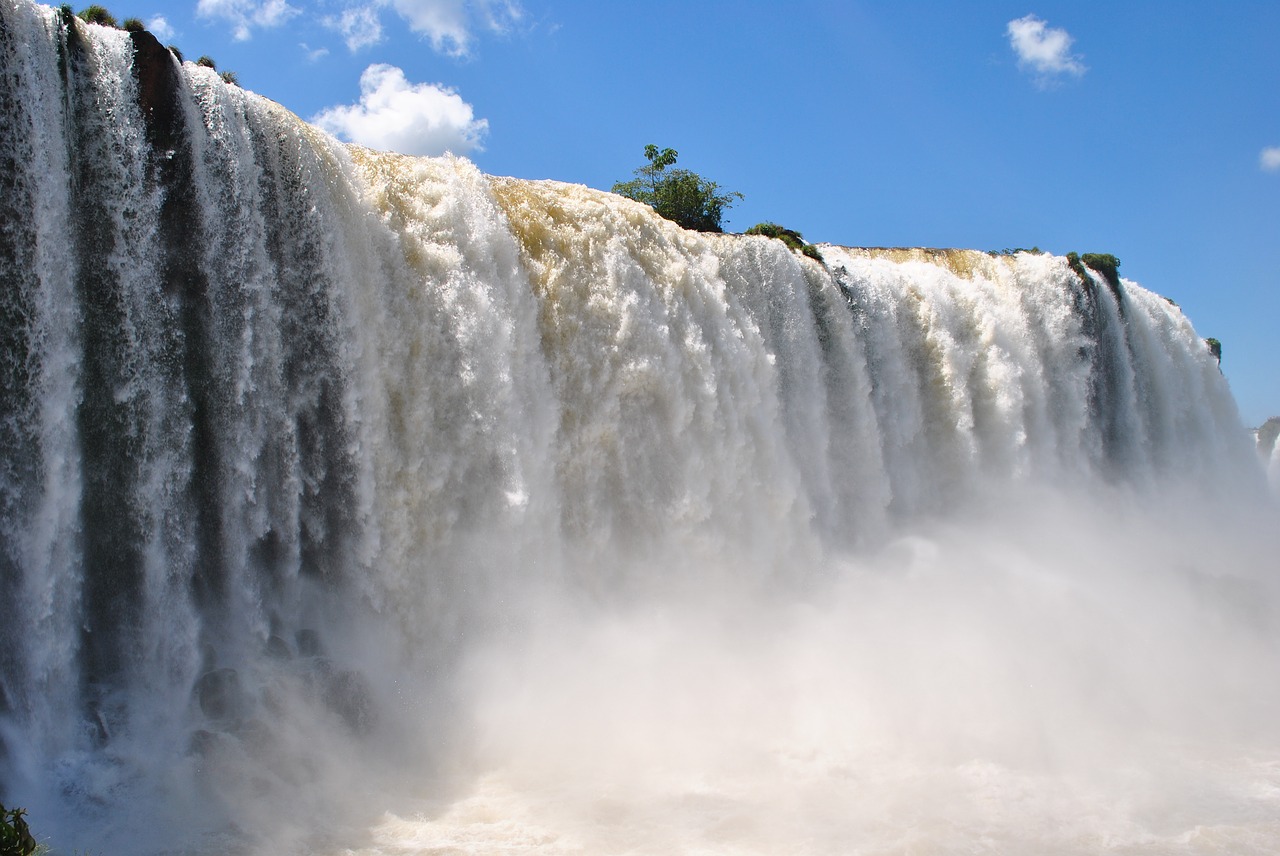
(353, 503)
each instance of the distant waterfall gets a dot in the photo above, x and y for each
(287, 426)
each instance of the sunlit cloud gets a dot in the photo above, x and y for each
(442, 22)
(411, 118)
(1269, 160)
(160, 27)
(245, 15)
(313, 54)
(449, 24)
(500, 15)
(1043, 49)
(360, 26)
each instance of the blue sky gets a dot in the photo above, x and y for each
(1150, 130)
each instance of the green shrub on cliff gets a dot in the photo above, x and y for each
(1215, 348)
(679, 195)
(96, 14)
(790, 237)
(1105, 264)
(1073, 262)
(134, 25)
(207, 62)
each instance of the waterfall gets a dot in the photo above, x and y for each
(332, 478)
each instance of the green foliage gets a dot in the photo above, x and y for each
(1073, 261)
(134, 25)
(207, 62)
(679, 195)
(230, 77)
(173, 49)
(96, 14)
(1013, 251)
(1215, 348)
(1105, 264)
(15, 836)
(790, 237)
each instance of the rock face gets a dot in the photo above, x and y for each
(221, 695)
(157, 71)
(1267, 435)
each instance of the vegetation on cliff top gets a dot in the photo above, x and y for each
(679, 195)
(1215, 348)
(1104, 264)
(790, 237)
(96, 14)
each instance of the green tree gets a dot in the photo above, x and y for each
(679, 195)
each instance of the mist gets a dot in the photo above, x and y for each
(1056, 675)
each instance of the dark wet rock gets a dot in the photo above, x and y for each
(97, 722)
(347, 694)
(1267, 436)
(278, 648)
(221, 695)
(158, 87)
(309, 643)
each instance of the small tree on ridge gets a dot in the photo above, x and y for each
(679, 195)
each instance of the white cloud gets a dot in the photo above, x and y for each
(443, 22)
(500, 15)
(244, 15)
(411, 118)
(159, 27)
(447, 24)
(313, 54)
(360, 26)
(1045, 50)
(1270, 159)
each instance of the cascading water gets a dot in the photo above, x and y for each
(354, 502)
